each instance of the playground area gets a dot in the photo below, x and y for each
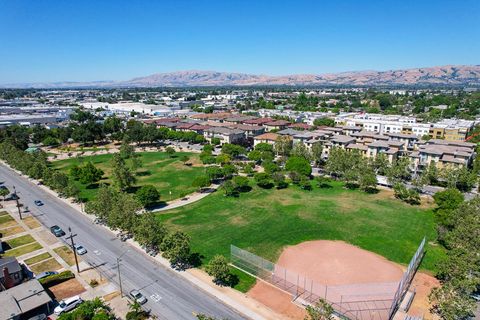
(359, 284)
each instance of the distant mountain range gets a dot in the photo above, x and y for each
(451, 75)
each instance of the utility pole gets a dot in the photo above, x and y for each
(118, 270)
(18, 203)
(73, 247)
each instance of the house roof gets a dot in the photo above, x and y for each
(342, 139)
(357, 146)
(378, 144)
(258, 121)
(22, 298)
(247, 127)
(267, 136)
(11, 264)
(301, 125)
(277, 123)
(222, 130)
(185, 125)
(289, 132)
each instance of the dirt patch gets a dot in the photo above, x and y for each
(67, 289)
(47, 236)
(31, 222)
(66, 254)
(238, 221)
(423, 284)
(10, 231)
(46, 265)
(276, 300)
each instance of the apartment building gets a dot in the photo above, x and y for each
(448, 129)
(443, 154)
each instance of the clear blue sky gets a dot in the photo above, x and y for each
(117, 40)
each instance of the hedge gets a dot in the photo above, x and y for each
(57, 278)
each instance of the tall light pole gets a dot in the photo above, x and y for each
(118, 270)
(73, 247)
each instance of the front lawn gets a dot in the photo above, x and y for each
(169, 175)
(264, 221)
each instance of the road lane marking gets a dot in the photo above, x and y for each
(155, 297)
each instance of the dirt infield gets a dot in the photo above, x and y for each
(347, 275)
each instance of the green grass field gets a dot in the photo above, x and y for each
(165, 173)
(264, 221)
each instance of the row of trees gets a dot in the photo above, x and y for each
(119, 210)
(459, 274)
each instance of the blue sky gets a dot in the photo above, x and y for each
(117, 40)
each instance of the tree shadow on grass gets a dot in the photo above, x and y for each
(157, 205)
(92, 186)
(144, 173)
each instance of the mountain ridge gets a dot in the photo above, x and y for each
(447, 75)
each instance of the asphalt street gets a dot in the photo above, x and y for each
(169, 295)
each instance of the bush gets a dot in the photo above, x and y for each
(263, 180)
(218, 268)
(299, 165)
(147, 195)
(57, 278)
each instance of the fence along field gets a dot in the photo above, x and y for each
(374, 301)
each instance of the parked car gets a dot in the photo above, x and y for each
(57, 231)
(38, 203)
(476, 296)
(138, 296)
(41, 316)
(67, 305)
(45, 274)
(80, 249)
(125, 236)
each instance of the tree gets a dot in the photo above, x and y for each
(223, 159)
(399, 171)
(184, 159)
(283, 146)
(214, 173)
(89, 174)
(316, 153)
(300, 150)
(102, 205)
(136, 312)
(255, 155)
(147, 195)
(170, 151)
(279, 180)
(233, 150)
(220, 271)
(447, 202)
(262, 147)
(229, 188)
(176, 248)
(89, 310)
(50, 142)
(321, 310)
(324, 122)
(201, 182)
(263, 180)
(248, 169)
(4, 192)
(241, 184)
(368, 179)
(121, 175)
(299, 165)
(149, 231)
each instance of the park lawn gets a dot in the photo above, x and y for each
(31, 222)
(264, 221)
(168, 175)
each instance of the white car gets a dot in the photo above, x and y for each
(137, 296)
(67, 305)
(80, 249)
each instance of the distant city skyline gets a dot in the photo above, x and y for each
(48, 41)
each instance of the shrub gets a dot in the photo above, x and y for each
(57, 278)
(263, 180)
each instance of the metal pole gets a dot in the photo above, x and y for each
(73, 248)
(18, 204)
(119, 277)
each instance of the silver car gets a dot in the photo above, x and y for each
(80, 249)
(137, 296)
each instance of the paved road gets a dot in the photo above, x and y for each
(170, 296)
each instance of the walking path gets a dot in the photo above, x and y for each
(191, 198)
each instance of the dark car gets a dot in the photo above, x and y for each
(57, 231)
(38, 203)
